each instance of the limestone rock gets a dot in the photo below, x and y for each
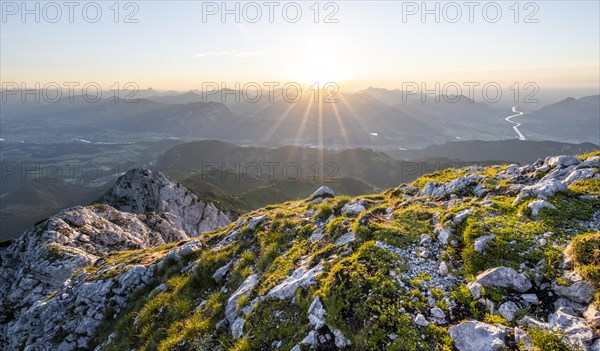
(477, 336)
(481, 242)
(537, 205)
(301, 277)
(340, 340)
(508, 310)
(443, 269)
(522, 337)
(420, 320)
(345, 239)
(592, 315)
(543, 189)
(434, 189)
(438, 312)
(353, 209)
(323, 191)
(143, 191)
(576, 331)
(580, 291)
(504, 277)
(232, 309)
(563, 161)
(316, 314)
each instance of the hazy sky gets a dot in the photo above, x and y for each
(172, 47)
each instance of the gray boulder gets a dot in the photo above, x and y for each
(345, 239)
(478, 336)
(301, 277)
(231, 309)
(537, 205)
(579, 174)
(576, 331)
(312, 339)
(316, 314)
(353, 209)
(434, 189)
(481, 242)
(323, 191)
(508, 310)
(563, 161)
(504, 277)
(542, 189)
(421, 321)
(340, 340)
(222, 272)
(580, 291)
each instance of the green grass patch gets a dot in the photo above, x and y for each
(547, 340)
(585, 250)
(275, 320)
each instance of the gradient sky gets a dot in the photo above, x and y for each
(172, 48)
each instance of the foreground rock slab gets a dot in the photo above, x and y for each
(478, 336)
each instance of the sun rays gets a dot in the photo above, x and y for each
(322, 125)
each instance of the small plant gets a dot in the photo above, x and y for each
(493, 319)
(424, 276)
(585, 250)
(240, 345)
(248, 257)
(437, 293)
(242, 301)
(323, 212)
(547, 340)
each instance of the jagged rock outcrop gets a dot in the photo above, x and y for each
(42, 261)
(143, 191)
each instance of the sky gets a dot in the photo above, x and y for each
(181, 45)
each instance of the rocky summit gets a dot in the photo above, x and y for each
(471, 259)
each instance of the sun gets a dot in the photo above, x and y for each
(321, 64)
(319, 69)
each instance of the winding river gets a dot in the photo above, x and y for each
(516, 125)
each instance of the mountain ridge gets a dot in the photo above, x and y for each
(499, 250)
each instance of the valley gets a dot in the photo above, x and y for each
(516, 125)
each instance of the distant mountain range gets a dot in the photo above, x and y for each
(570, 120)
(567, 120)
(356, 120)
(370, 118)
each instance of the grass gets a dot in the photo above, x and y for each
(324, 211)
(123, 260)
(513, 244)
(164, 320)
(586, 186)
(282, 266)
(442, 176)
(570, 211)
(585, 250)
(585, 156)
(406, 227)
(547, 340)
(275, 320)
(368, 318)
